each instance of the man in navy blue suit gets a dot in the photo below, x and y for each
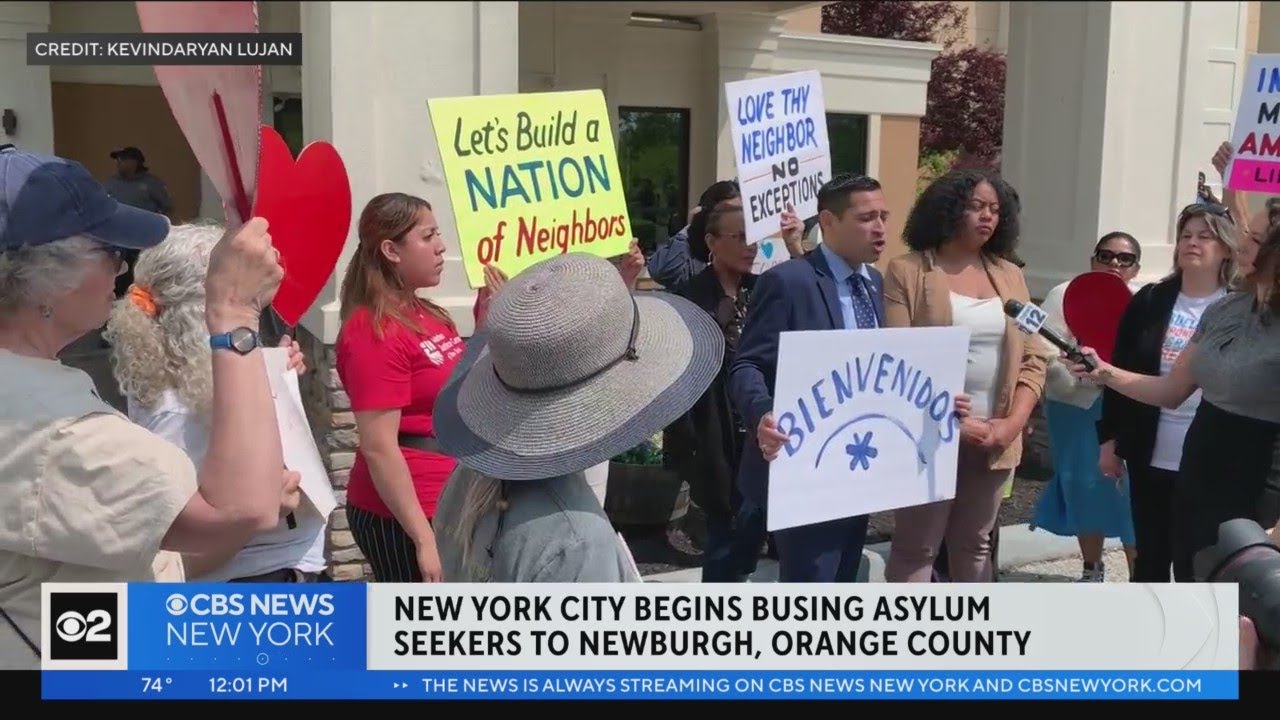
(833, 287)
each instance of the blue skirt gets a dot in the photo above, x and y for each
(1079, 499)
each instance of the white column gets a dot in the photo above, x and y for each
(368, 70)
(1110, 110)
(745, 48)
(24, 88)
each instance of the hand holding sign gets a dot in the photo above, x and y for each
(779, 128)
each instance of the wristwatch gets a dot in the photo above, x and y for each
(243, 340)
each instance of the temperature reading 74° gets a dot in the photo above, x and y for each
(150, 685)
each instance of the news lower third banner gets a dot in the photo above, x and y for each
(640, 641)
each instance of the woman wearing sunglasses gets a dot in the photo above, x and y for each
(1080, 501)
(1156, 327)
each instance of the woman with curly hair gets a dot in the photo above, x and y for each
(962, 233)
(162, 362)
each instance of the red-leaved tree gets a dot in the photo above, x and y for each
(965, 111)
(895, 20)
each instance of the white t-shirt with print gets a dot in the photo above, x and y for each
(1173, 425)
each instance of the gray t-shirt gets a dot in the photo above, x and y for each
(1237, 359)
(145, 191)
(553, 531)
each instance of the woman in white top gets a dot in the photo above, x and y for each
(161, 359)
(1079, 500)
(1144, 440)
(963, 231)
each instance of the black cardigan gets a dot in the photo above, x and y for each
(1139, 342)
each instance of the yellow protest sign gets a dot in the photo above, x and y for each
(531, 176)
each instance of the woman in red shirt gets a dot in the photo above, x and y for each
(394, 353)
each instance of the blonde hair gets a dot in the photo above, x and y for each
(372, 281)
(159, 340)
(1225, 231)
(483, 496)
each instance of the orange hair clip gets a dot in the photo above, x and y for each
(142, 299)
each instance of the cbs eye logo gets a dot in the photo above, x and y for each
(84, 626)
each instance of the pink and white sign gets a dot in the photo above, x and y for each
(195, 92)
(1256, 164)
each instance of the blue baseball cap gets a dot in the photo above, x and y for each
(44, 198)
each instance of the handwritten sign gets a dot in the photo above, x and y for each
(779, 128)
(531, 176)
(300, 452)
(869, 417)
(1255, 167)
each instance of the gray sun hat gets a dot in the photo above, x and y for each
(571, 370)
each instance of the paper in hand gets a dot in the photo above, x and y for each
(300, 452)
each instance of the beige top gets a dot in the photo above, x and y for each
(85, 495)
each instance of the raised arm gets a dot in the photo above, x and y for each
(241, 477)
(1166, 391)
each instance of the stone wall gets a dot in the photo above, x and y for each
(333, 424)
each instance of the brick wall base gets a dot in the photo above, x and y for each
(334, 427)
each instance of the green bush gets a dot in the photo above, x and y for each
(648, 452)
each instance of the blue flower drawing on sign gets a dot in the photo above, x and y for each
(861, 451)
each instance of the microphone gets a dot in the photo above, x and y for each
(1030, 319)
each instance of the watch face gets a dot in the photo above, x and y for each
(243, 340)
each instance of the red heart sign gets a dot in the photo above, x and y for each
(307, 205)
(190, 90)
(1092, 307)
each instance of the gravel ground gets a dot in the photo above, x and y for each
(1067, 570)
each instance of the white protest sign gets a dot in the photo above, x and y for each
(773, 251)
(300, 452)
(1255, 165)
(779, 128)
(869, 416)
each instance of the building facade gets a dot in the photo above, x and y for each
(1111, 109)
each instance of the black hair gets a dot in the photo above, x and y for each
(837, 194)
(715, 194)
(938, 212)
(1118, 235)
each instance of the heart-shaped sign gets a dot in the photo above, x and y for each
(766, 247)
(191, 92)
(307, 205)
(1092, 306)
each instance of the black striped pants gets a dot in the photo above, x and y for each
(386, 546)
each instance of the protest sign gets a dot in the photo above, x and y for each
(1255, 166)
(298, 445)
(773, 252)
(869, 419)
(779, 128)
(531, 176)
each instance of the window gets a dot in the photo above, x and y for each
(847, 135)
(653, 156)
(287, 119)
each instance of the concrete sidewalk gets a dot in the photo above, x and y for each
(1026, 555)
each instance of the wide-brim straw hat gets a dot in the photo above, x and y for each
(571, 370)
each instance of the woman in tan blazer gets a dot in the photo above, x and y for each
(962, 233)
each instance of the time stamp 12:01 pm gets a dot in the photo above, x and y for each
(226, 685)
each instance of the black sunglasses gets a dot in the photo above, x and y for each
(1122, 259)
